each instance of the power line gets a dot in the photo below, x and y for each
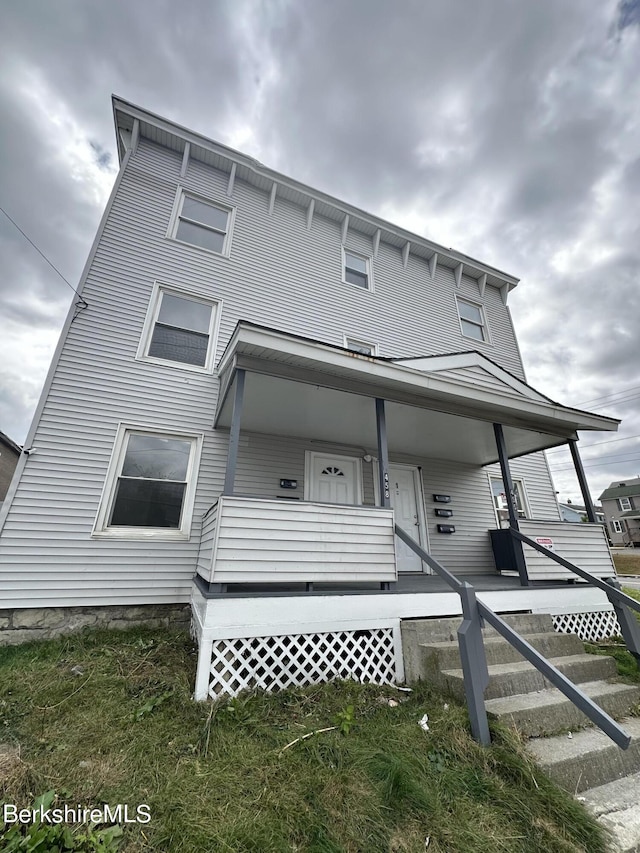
(42, 255)
(628, 462)
(604, 456)
(610, 394)
(613, 403)
(593, 444)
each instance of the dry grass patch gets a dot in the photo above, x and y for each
(628, 563)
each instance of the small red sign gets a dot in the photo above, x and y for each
(545, 541)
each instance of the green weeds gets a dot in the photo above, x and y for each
(108, 718)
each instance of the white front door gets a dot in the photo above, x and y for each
(405, 491)
(333, 479)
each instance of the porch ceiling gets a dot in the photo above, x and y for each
(300, 388)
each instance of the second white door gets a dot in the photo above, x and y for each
(405, 500)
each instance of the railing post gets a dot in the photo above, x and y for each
(383, 453)
(629, 625)
(582, 480)
(234, 434)
(507, 482)
(474, 664)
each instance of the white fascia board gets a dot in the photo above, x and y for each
(413, 381)
(475, 268)
(472, 359)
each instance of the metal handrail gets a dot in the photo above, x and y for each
(619, 600)
(585, 575)
(557, 678)
(474, 661)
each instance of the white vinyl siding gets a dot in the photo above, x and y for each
(47, 554)
(253, 540)
(585, 545)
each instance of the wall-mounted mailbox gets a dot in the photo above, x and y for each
(442, 499)
(444, 513)
(446, 528)
(288, 484)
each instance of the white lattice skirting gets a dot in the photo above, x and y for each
(597, 625)
(273, 663)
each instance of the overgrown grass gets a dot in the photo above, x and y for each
(108, 718)
(627, 563)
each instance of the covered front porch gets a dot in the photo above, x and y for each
(412, 443)
(359, 492)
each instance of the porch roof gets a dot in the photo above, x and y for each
(299, 387)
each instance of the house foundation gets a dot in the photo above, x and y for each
(21, 625)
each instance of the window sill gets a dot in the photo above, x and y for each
(140, 534)
(357, 287)
(207, 370)
(476, 340)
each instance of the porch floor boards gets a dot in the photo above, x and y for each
(409, 583)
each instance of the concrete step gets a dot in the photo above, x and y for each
(439, 630)
(616, 806)
(589, 758)
(548, 712)
(511, 679)
(446, 655)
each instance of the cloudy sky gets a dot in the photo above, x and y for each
(508, 130)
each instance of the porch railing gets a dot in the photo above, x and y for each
(474, 661)
(620, 601)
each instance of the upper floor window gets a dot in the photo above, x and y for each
(362, 347)
(202, 223)
(150, 485)
(356, 269)
(180, 328)
(625, 504)
(472, 320)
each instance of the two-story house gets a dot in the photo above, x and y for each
(621, 505)
(263, 380)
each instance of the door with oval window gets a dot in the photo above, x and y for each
(334, 479)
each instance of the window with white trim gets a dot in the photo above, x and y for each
(472, 320)
(499, 497)
(624, 504)
(202, 223)
(356, 269)
(180, 329)
(616, 526)
(150, 485)
(362, 347)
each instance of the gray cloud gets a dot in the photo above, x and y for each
(507, 131)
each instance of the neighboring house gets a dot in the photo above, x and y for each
(577, 513)
(9, 455)
(621, 505)
(263, 380)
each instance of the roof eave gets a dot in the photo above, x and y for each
(476, 266)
